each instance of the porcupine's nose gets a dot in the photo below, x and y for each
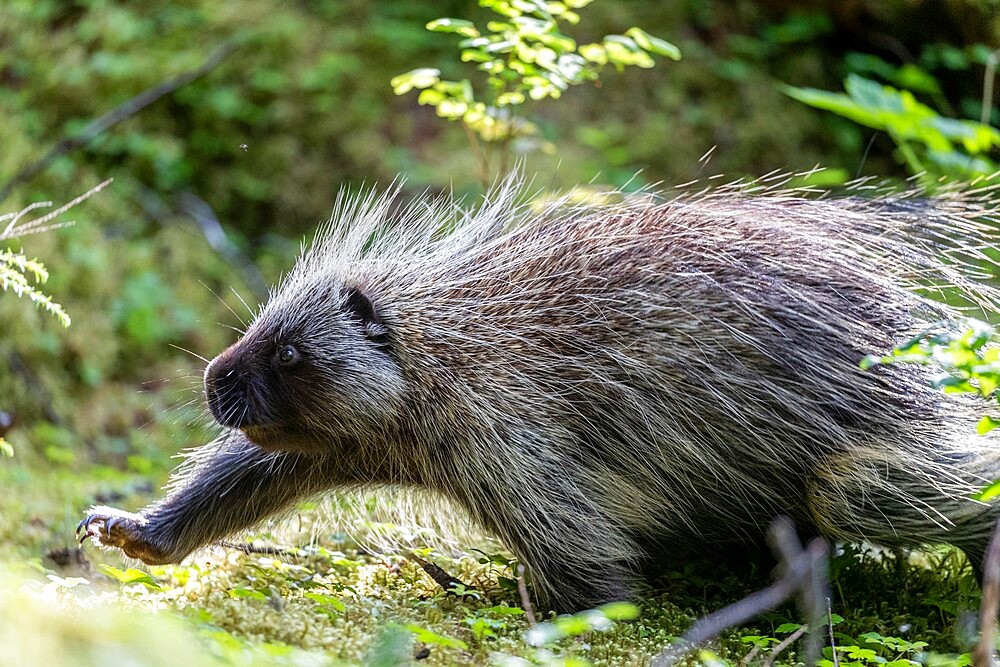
(223, 392)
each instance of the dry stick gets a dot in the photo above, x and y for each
(816, 591)
(41, 396)
(481, 160)
(785, 643)
(796, 573)
(522, 590)
(15, 228)
(737, 613)
(248, 548)
(833, 646)
(437, 573)
(116, 115)
(988, 79)
(984, 655)
(814, 594)
(748, 658)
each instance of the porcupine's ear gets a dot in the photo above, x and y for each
(360, 307)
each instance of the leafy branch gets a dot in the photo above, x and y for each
(927, 141)
(524, 56)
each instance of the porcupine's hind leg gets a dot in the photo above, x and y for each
(889, 498)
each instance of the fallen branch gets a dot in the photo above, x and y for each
(785, 643)
(437, 573)
(800, 570)
(833, 645)
(115, 116)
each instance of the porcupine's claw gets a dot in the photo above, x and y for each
(118, 529)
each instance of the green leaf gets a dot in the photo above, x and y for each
(987, 384)
(327, 600)
(912, 77)
(242, 592)
(786, 628)
(988, 493)
(426, 636)
(6, 449)
(654, 44)
(987, 424)
(502, 610)
(457, 26)
(129, 576)
(423, 77)
(620, 611)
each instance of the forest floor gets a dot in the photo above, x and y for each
(333, 602)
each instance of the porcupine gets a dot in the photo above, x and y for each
(601, 386)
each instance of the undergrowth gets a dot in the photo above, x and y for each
(336, 603)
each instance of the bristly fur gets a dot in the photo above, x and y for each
(602, 385)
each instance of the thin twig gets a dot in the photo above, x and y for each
(988, 79)
(522, 589)
(833, 644)
(116, 115)
(477, 150)
(785, 643)
(41, 224)
(984, 655)
(796, 575)
(815, 591)
(749, 657)
(205, 217)
(709, 627)
(40, 395)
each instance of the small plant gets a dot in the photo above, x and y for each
(969, 358)
(547, 637)
(485, 622)
(504, 567)
(524, 56)
(426, 636)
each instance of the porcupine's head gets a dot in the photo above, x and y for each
(328, 362)
(313, 369)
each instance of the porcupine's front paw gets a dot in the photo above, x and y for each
(116, 528)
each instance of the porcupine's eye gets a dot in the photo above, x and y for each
(288, 355)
